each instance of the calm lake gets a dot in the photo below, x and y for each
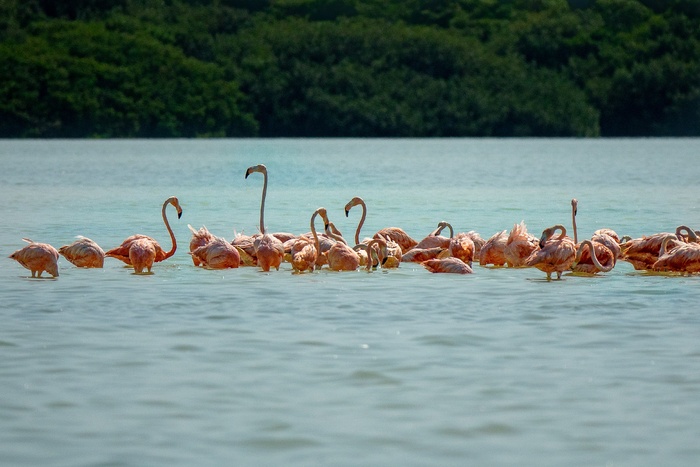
(401, 367)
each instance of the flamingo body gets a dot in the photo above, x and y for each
(555, 255)
(83, 253)
(217, 254)
(142, 254)
(492, 252)
(447, 265)
(37, 257)
(123, 251)
(199, 238)
(520, 245)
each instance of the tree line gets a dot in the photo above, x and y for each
(365, 68)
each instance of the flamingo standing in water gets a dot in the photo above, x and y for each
(142, 252)
(269, 250)
(683, 257)
(340, 256)
(462, 245)
(520, 246)
(83, 253)
(394, 250)
(643, 252)
(603, 249)
(492, 252)
(199, 238)
(218, 253)
(555, 255)
(37, 257)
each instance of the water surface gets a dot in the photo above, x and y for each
(239, 367)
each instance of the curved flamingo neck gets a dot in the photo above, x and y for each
(362, 221)
(563, 231)
(664, 244)
(371, 254)
(170, 231)
(692, 237)
(441, 226)
(313, 232)
(594, 258)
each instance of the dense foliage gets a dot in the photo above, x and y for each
(192, 68)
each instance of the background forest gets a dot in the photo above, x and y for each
(214, 68)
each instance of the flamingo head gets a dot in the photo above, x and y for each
(256, 168)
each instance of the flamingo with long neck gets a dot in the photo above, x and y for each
(354, 202)
(122, 251)
(323, 213)
(268, 249)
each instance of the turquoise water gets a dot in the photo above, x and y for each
(239, 367)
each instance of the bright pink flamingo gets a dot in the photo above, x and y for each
(268, 249)
(448, 265)
(555, 254)
(520, 246)
(83, 253)
(122, 251)
(37, 257)
(492, 252)
(218, 253)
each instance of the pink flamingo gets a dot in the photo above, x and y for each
(83, 253)
(377, 255)
(122, 251)
(218, 253)
(555, 255)
(37, 257)
(492, 252)
(245, 244)
(520, 246)
(340, 256)
(462, 245)
(199, 238)
(448, 265)
(591, 264)
(435, 239)
(419, 255)
(683, 257)
(643, 252)
(268, 249)
(142, 255)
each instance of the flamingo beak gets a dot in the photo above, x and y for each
(347, 213)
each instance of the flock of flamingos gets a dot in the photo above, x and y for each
(677, 252)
